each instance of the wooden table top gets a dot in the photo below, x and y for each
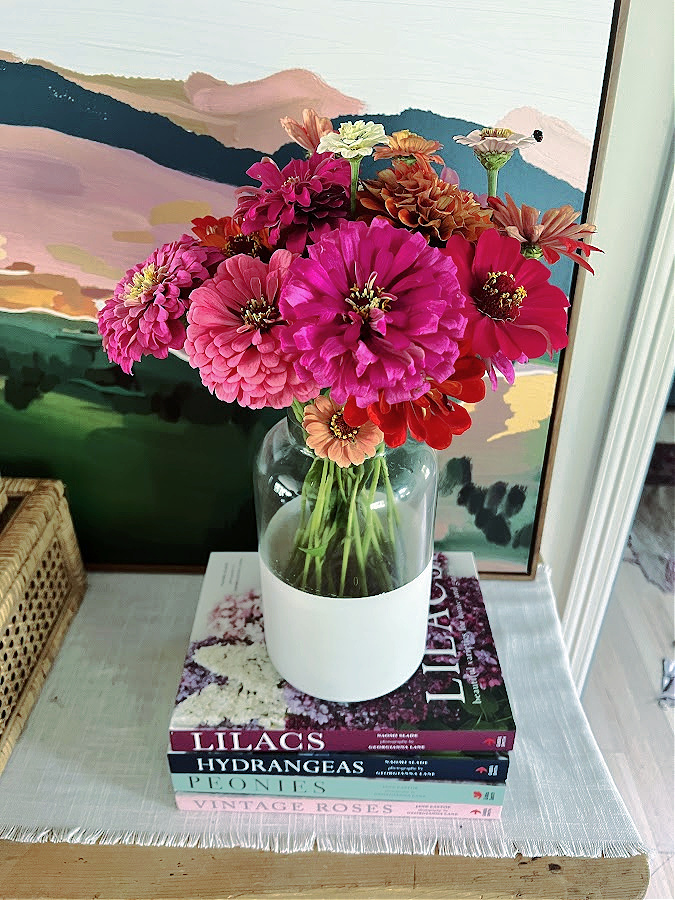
(78, 871)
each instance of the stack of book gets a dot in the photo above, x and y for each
(241, 738)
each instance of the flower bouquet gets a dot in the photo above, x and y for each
(372, 309)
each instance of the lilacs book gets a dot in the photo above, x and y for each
(231, 698)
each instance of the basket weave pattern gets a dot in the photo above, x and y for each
(42, 582)
(3, 493)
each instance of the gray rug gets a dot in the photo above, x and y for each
(651, 544)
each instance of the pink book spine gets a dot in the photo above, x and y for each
(314, 807)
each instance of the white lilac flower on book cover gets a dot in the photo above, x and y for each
(230, 697)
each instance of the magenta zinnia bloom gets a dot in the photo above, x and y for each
(374, 309)
(514, 313)
(297, 203)
(233, 335)
(144, 317)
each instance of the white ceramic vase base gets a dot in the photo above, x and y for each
(345, 649)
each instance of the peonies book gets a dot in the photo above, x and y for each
(343, 788)
(230, 697)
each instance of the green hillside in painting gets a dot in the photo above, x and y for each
(158, 472)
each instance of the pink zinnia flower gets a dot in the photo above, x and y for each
(514, 313)
(297, 203)
(310, 132)
(330, 437)
(374, 309)
(233, 335)
(557, 234)
(144, 317)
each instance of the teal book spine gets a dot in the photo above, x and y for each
(342, 788)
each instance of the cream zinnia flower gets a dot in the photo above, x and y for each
(494, 140)
(353, 140)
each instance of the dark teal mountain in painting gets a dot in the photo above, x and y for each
(33, 95)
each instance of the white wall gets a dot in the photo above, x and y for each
(588, 516)
(456, 57)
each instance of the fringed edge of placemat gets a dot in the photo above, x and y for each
(406, 839)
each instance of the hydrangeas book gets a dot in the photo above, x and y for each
(231, 698)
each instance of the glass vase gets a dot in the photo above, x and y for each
(345, 559)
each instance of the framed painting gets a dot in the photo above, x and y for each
(109, 149)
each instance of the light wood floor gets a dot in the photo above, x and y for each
(636, 735)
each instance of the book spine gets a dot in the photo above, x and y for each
(342, 788)
(490, 770)
(346, 741)
(310, 806)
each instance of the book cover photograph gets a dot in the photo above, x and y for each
(230, 697)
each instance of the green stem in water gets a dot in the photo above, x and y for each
(313, 526)
(346, 550)
(319, 535)
(358, 548)
(392, 513)
(371, 516)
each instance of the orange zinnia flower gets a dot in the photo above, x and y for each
(310, 132)
(414, 196)
(408, 146)
(225, 233)
(557, 234)
(330, 437)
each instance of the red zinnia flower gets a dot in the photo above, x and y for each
(435, 417)
(225, 233)
(514, 313)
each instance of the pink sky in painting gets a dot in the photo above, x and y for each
(564, 153)
(236, 115)
(88, 211)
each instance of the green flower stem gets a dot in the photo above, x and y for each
(315, 519)
(371, 517)
(341, 486)
(302, 535)
(298, 410)
(355, 164)
(358, 547)
(346, 550)
(319, 539)
(492, 182)
(392, 513)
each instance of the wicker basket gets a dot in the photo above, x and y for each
(42, 582)
(3, 493)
